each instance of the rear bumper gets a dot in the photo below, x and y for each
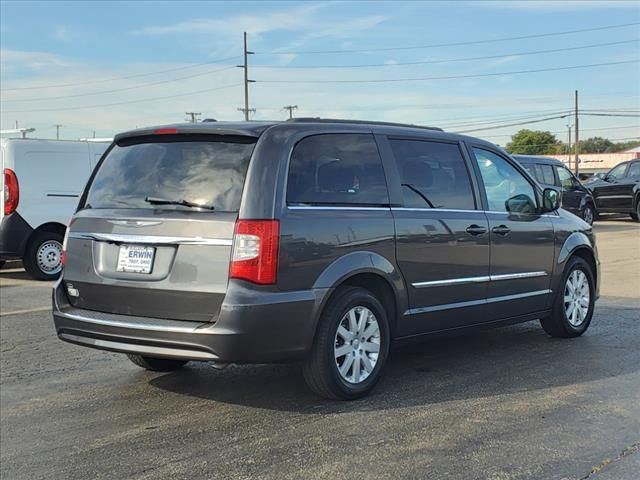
(14, 233)
(279, 328)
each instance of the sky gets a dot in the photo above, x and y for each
(106, 67)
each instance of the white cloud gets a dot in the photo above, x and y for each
(295, 18)
(11, 59)
(556, 4)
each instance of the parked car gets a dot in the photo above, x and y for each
(550, 172)
(42, 181)
(320, 241)
(619, 190)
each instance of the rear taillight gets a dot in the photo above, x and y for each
(255, 251)
(63, 255)
(11, 191)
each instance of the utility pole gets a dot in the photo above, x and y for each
(569, 127)
(57, 125)
(246, 112)
(246, 108)
(291, 108)
(16, 124)
(577, 144)
(192, 116)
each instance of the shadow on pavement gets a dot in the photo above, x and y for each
(484, 363)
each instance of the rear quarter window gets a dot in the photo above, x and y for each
(336, 169)
(203, 172)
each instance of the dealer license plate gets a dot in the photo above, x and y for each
(135, 259)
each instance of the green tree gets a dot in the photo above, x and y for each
(595, 145)
(533, 142)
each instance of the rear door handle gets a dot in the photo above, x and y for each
(501, 230)
(476, 229)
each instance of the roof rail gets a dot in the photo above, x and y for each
(358, 122)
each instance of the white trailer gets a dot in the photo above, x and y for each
(42, 181)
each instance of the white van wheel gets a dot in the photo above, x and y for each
(43, 257)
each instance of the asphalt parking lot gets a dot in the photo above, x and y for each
(501, 404)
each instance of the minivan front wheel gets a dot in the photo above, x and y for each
(351, 346)
(574, 303)
(156, 364)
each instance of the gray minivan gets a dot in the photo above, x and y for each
(320, 241)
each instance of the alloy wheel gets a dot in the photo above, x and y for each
(577, 296)
(357, 344)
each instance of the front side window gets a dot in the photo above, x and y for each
(567, 180)
(634, 170)
(617, 173)
(209, 173)
(337, 169)
(506, 188)
(433, 174)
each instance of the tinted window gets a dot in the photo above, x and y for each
(210, 173)
(546, 174)
(617, 172)
(502, 183)
(433, 174)
(531, 168)
(567, 180)
(337, 169)
(634, 170)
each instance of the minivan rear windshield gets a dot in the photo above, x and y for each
(209, 172)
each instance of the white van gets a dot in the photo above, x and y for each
(42, 181)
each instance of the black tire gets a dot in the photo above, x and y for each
(2, 262)
(321, 370)
(636, 216)
(31, 261)
(156, 364)
(557, 324)
(589, 213)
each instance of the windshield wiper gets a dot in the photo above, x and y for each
(422, 195)
(183, 202)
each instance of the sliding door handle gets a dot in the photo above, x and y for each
(501, 230)
(476, 230)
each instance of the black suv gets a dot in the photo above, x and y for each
(619, 190)
(315, 240)
(550, 172)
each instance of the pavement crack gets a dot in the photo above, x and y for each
(608, 461)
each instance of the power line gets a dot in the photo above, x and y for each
(451, 77)
(514, 124)
(562, 131)
(609, 115)
(464, 59)
(437, 45)
(142, 85)
(125, 103)
(127, 77)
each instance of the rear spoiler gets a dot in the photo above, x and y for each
(208, 128)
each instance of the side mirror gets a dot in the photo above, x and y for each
(550, 200)
(520, 204)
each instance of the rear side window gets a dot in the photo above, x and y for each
(337, 169)
(546, 174)
(210, 173)
(634, 170)
(433, 174)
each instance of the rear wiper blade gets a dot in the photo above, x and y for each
(183, 202)
(422, 195)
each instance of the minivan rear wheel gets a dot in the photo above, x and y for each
(43, 256)
(351, 346)
(156, 364)
(574, 303)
